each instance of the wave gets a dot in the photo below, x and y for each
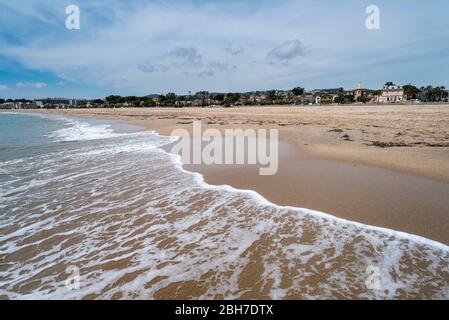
(86, 131)
(265, 202)
(82, 131)
(74, 130)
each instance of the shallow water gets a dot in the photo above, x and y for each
(109, 201)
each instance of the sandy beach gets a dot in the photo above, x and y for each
(385, 166)
(106, 198)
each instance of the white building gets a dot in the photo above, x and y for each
(392, 94)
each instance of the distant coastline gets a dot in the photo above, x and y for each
(390, 93)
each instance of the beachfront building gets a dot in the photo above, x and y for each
(8, 105)
(392, 94)
(362, 95)
(358, 93)
(308, 98)
(285, 94)
(257, 98)
(18, 105)
(61, 102)
(324, 98)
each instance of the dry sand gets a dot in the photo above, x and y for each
(382, 165)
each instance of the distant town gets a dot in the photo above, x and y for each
(390, 93)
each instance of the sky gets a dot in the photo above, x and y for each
(139, 47)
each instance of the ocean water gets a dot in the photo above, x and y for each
(106, 199)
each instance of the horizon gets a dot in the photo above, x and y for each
(141, 47)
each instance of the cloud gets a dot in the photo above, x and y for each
(206, 73)
(188, 57)
(134, 46)
(234, 49)
(214, 67)
(3, 87)
(286, 52)
(147, 68)
(60, 83)
(32, 85)
(151, 68)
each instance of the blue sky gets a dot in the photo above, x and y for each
(140, 47)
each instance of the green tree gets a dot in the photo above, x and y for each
(441, 93)
(343, 98)
(271, 96)
(170, 99)
(340, 98)
(431, 94)
(411, 91)
(203, 96)
(219, 97)
(389, 84)
(298, 91)
(363, 99)
(114, 99)
(232, 98)
(149, 103)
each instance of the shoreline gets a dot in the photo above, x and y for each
(259, 197)
(393, 199)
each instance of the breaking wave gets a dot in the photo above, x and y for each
(81, 131)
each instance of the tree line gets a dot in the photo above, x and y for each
(270, 97)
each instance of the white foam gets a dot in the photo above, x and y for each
(75, 130)
(265, 202)
(81, 131)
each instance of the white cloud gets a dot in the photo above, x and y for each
(286, 52)
(160, 48)
(163, 46)
(214, 67)
(32, 85)
(186, 57)
(234, 49)
(3, 87)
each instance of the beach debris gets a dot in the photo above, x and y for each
(403, 144)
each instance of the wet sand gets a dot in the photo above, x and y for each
(357, 192)
(385, 166)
